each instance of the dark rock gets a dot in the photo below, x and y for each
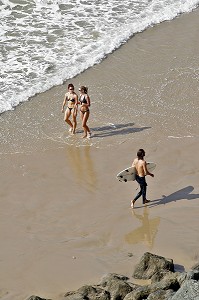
(167, 283)
(170, 282)
(36, 298)
(188, 291)
(73, 296)
(188, 276)
(112, 276)
(195, 267)
(117, 286)
(194, 275)
(88, 292)
(158, 276)
(167, 277)
(151, 264)
(182, 277)
(140, 293)
(130, 254)
(161, 295)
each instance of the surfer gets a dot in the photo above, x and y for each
(71, 99)
(141, 168)
(84, 101)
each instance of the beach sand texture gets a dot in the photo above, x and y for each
(65, 219)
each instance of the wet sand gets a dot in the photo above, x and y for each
(65, 219)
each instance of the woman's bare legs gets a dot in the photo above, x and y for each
(84, 117)
(74, 115)
(66, 119)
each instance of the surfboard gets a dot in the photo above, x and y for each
(129, 173)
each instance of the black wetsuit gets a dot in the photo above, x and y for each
(143, 185)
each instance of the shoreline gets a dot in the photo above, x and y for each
(103, 56)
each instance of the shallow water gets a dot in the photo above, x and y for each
(153, 95)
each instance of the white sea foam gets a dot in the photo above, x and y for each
(45, 42)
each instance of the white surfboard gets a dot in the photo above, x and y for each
(129, 173)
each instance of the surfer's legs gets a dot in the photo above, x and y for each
(132, 203)
(137, 196)
(144, 199)
(142, 193)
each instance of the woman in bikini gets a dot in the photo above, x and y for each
(84, 101)
(71, 99)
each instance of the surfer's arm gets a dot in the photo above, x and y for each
(146, 172)
(133, 163)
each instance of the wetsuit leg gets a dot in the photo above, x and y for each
(143, 185)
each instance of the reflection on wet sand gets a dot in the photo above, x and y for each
(82, 166)
(146, 232)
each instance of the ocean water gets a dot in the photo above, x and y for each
(45, 42)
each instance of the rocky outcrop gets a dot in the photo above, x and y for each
(117, 285)
(37, 298)
(166, 284)
(151, 264)
(88, 292)
(189, 291)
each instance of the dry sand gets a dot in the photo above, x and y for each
(65, 219)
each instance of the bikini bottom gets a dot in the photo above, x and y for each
(84, 111)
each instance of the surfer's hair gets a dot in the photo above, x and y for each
(141, 153)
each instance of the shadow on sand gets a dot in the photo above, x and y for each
(118, 129)
(184, 193)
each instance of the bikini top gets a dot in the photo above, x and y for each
(83, 100)
(70, 99)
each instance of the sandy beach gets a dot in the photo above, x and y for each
(65, 219)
